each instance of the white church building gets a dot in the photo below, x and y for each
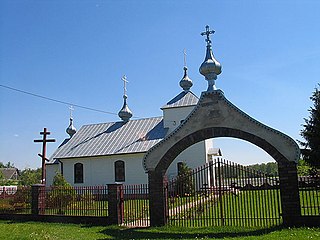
(112, 152)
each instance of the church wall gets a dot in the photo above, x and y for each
(173, 116)
(51, 170)
(100, 170)
(194, 156)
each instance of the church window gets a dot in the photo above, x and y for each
(78, 173)
(119, 171)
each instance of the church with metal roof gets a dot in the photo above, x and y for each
(113, 152)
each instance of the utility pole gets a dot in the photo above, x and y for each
(44, 141)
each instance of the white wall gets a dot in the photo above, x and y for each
(100, 170)
(51, 170)
(172, 117)
(194, 156)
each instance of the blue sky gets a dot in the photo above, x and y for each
(77, 51)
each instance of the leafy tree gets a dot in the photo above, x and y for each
(311, 133)
(303, 168)
(60, 181)
(7, 165)
(62, 194)
(184, 181)
(270, 168)
(29, 176)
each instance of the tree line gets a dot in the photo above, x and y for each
(26, 177)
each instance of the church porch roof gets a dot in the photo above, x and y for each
(184, 99)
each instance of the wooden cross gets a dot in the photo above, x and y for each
(44, 141)
(208, 32)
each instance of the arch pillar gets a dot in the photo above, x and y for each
(215, 116)
(158, 198)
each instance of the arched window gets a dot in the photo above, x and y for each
(119, 171)
(78, 173)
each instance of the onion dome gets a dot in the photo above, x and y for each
(71, 130)
(210, 67)
(125, 113)
(186, 82)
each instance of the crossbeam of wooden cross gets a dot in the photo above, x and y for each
(44, 142)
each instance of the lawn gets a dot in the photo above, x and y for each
(31, 230)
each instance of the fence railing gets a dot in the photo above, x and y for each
(309, 190)
(15, 199)
(76, 201)
(224, 193)
(136, 205)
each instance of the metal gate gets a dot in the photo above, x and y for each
(222, 193)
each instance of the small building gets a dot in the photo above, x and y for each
(112, 152)
(10, 173)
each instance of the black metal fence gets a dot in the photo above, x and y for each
(136, 205)
(220, 193)
(309, 190)
(223, 193)
(15, 199)
(76, 201)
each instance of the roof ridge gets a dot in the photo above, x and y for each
(112, 122)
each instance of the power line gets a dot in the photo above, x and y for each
(57, 101)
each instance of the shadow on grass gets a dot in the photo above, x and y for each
(182, 233)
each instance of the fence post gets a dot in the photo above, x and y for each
(115, 203)
(158, 204)
(290, 200)
(38, 199)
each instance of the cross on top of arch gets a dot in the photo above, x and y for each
(207, 33)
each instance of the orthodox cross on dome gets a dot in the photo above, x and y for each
(125, 113)
(184, 57)
(125, 81)
(71, 111)
(207, 33)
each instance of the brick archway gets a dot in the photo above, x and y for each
(215, 116)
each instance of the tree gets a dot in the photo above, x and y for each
(311, 133)
(29, 176)
(184, 181)
(7, 165)
(60, 181)
(62, 194)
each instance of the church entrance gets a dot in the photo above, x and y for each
(214, 116)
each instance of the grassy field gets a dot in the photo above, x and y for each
(31, 230)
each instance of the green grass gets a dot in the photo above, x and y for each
(54, 231)
(248, 208)
(310, 202)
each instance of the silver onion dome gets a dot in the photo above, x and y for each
(125, 113)
(210, 67)
(71, 130)
(186, 82)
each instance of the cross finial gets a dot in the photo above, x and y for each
(185, 57)
(71, 111)
(125, 81)
(207, 33)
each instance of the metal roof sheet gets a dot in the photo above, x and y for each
(185, 98)
(113, 138)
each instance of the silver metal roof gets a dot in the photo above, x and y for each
(112, 138)
(185, 98)
(214, 151)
